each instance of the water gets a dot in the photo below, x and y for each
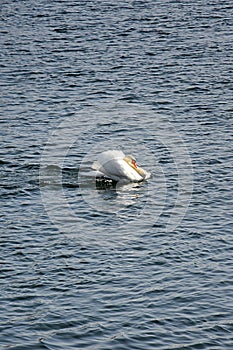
(144, 266)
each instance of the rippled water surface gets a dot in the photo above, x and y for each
(138, 266)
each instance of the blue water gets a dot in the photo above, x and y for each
(141, 266)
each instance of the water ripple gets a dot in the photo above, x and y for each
(105, 273)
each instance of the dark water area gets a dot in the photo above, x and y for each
(139, 266)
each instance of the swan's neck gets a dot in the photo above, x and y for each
(141, 172)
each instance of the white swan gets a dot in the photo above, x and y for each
(119, 167)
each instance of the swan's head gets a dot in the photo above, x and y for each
(132, 162)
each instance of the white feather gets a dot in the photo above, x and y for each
(112, 164)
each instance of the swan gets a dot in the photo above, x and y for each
(117, 166)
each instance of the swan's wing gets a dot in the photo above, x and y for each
(118, 169)
(106, 157)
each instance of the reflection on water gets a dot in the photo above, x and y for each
(123, 194)
(106, 195)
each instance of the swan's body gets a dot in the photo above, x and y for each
(119, 167)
